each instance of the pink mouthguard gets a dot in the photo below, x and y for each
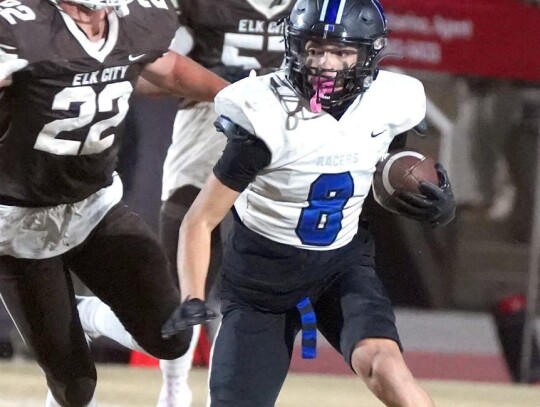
(321, 89)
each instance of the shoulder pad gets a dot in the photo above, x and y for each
(233, 131)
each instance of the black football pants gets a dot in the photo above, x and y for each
(123, 264)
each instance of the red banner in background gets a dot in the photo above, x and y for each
(495, 38)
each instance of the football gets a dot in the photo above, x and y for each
(401, 170)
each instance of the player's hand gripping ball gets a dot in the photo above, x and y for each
(411, 184)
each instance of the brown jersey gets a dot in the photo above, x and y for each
(62, 119)
(235, 33)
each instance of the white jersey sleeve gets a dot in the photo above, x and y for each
(233, 100)
(183, 41)
(405, 105)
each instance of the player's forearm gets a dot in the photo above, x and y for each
(181, 76)
(210, 207)
(195, 82)
(193, 259)
(144, 87)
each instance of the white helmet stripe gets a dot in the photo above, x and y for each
(323, 10)
(340, 11)
(335, 15)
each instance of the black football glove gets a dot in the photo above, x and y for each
(191, 312)
(435, 205)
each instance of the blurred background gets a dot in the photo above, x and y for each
(466, 293)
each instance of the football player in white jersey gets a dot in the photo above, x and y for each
(239, 37)
(67, 72)
(301, 152)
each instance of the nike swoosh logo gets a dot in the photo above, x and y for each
(136, 57)
(377, 134)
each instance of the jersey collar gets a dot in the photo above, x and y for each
(90, 48)
(269, 12)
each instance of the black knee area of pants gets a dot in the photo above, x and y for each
(168, 349)
(77, 393)
(223, 394)
(183, 198)
(174, 209)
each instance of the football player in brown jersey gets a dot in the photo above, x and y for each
(67, 71)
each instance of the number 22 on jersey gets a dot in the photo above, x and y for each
(89, 103)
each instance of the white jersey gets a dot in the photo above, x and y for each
(195, 148)
(239, 34)
(311, 194)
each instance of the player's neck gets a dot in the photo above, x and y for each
(92, 23)
(338, 111)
